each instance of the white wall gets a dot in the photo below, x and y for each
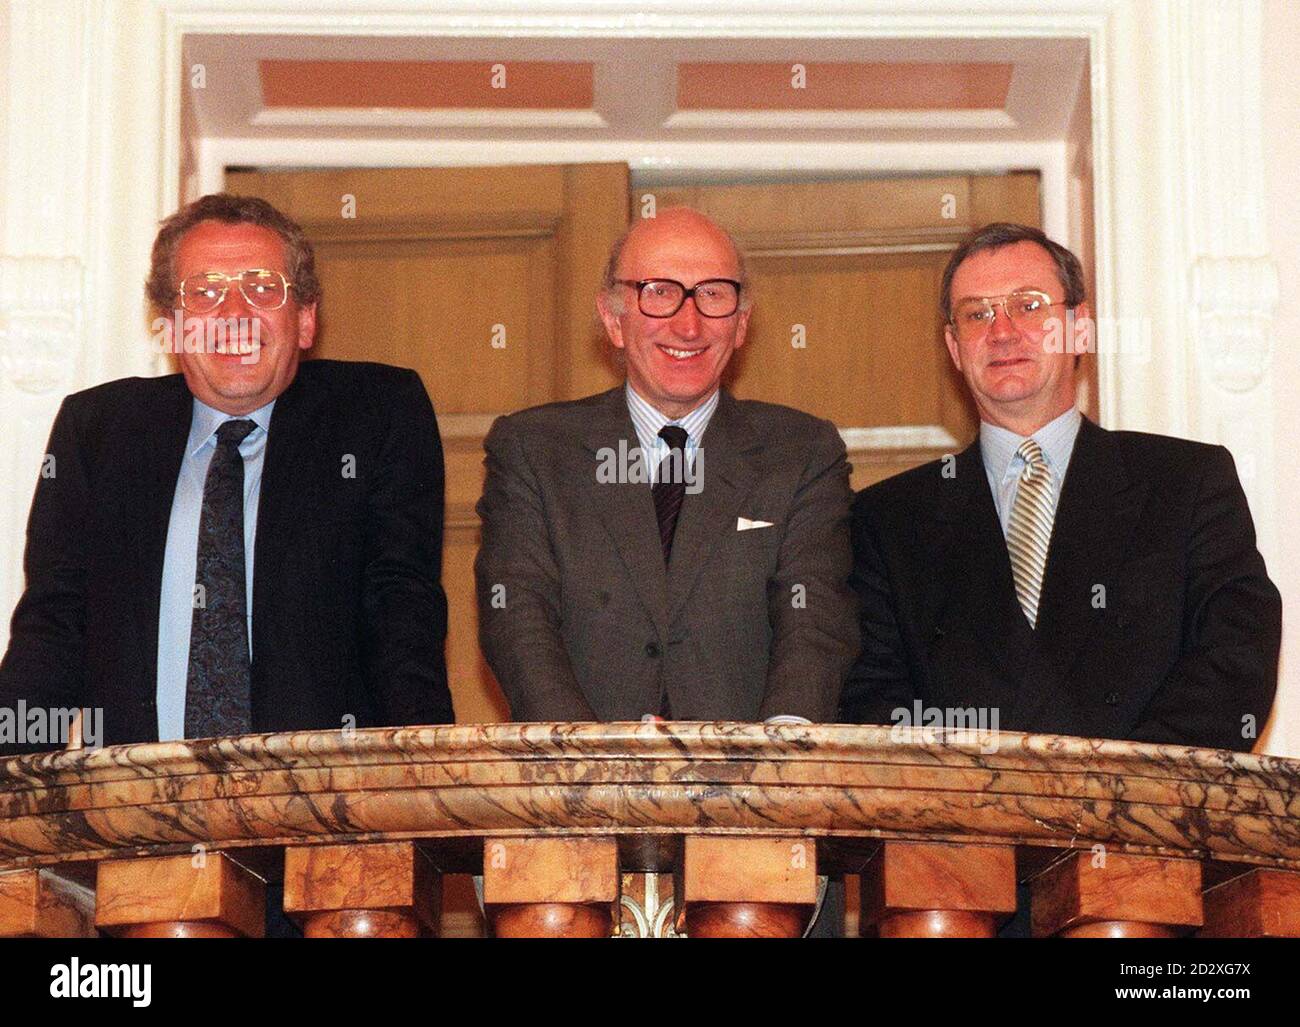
(1281, 74)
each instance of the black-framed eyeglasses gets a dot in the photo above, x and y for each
(663, 297)
(204, 291)
(1028, 308)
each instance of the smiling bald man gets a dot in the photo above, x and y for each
(664, 548)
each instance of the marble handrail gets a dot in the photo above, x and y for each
(646, 785)
(630, 779)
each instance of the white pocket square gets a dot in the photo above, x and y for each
(745, 524)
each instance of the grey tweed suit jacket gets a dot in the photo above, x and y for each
(580, 619)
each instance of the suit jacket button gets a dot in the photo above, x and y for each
(1112, 698)
(652, 650)
(938, 632)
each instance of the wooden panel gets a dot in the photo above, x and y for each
(819, 213)
(591, 223)
(865, 320)
(474, 318)
(1012, 197)
(474, 690)
(406, 202)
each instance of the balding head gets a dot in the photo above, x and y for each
(684, 226)
(675, 356)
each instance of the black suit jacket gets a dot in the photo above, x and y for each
(1157, 621)
(349, 615)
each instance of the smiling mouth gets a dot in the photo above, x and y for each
(682, 354)
(231, 348)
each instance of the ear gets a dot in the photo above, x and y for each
(613, 326)
(306, 326)
(742, 326)
(953, 350)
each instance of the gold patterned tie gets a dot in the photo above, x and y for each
(1029, 531)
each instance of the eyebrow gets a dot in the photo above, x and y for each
(1018, 288)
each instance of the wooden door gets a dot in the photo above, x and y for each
(483, 280)
(846, 320)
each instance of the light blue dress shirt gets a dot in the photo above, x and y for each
(1004, 465)
(176, 605)
(648, 421)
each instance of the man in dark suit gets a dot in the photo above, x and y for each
(250, 545)
(1057, 577)
(664, 548)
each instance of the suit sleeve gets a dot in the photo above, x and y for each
(44, 662)
(405, 607)
(1224, 683)
(518, 583)
(880, 680)
(810, 606)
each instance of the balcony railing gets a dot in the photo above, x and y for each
(1111, 838)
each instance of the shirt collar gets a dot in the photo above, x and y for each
(648, 420)
(205, 421)
(1056, 439)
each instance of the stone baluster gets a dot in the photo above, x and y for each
(937, 890)
(551, 887)
(1099, 894)
(747, 887)
(205, 895)
(40, 904)
(382, 890)
(1261, 903)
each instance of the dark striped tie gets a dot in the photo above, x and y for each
(670, 486)
(218, 685)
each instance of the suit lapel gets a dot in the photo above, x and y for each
(725, 476)
(1095, 519)
(626, 507)
(169, 426)
(977, 582)
(286, 486)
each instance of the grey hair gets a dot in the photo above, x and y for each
(1004, 233)
(160, 287)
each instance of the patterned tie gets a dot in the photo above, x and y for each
(670, 486)
(218, 686)
(1029, 531)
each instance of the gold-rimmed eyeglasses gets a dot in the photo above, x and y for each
(1027, 308)
(204, 291)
